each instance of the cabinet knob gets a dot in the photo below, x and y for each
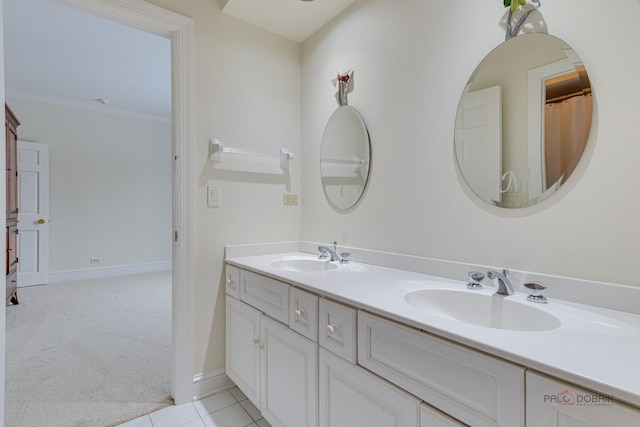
(42, 221)
(331, 329)
(298, 313)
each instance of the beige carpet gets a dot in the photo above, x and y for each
(93, 353)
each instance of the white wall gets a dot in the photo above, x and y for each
(247, 92)
(110, 185)
(412, 59)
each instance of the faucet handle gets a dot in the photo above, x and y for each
(322, 253)
(536, 292)
(475, 280)
(344, 257)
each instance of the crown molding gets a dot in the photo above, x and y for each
(82, 106)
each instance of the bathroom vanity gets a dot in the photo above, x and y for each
(313, 342)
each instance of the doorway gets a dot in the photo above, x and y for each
(179, 30)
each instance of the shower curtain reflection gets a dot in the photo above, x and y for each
(567, 125)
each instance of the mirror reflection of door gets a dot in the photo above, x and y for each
(478, 140)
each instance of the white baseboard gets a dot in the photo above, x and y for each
(209, 383)
(111, 271)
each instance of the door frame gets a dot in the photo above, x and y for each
(179, 29)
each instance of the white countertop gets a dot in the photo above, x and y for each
(594, 347)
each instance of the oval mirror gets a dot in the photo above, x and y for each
(345, 158)
(523, 121)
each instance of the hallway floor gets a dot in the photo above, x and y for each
(225, 409)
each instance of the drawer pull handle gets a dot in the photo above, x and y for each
(331, 329)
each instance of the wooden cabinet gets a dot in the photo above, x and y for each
(12, 263)
(11, 126)
(552, 403)
(11, 129)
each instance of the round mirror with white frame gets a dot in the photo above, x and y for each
(345, 156)
(523, 121)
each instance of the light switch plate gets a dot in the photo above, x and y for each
(213, 196)
(290, 199)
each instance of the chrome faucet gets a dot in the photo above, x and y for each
(503, 285)
(326, 252)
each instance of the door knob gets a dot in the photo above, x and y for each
(42, 221)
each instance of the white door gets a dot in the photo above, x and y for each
(479, 141)
(33, 214)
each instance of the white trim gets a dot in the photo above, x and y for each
(179, 29)
(80, 106)
(209, 383)
(110, 271)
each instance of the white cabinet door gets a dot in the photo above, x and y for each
(431, 417)
(551, 403)
(351, 396)
(289, 377)
(243, 348)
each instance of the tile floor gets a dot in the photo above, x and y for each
(226, 409)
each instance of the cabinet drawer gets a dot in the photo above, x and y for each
(303, 313)
(551, 403)
(232, 281)
(476, 389)
(337, 329)
(266, 294)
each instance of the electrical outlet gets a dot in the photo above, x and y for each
(290, 199)
(94, 261)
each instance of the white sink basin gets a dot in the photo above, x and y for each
(302, 265)
(482, 309)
